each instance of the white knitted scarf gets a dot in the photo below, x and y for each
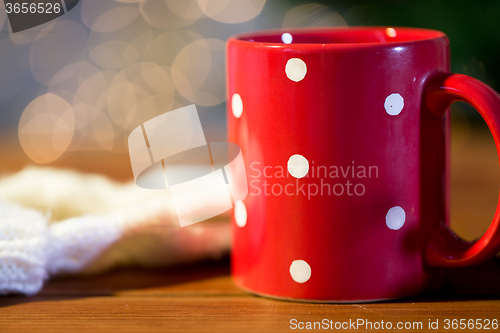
(56, 221)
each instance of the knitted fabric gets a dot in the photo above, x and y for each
(58, 222)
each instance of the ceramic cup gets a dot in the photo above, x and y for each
(345, 137)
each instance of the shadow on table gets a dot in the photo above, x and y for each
(481, 282)
(121, 280)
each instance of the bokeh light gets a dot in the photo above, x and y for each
(92, 90)
(86, 79)
(188, 9)
(120, 48)
(116, 64)
(106, 16)
(46, 128)
(66, 72)
(231, 11)
(165, 47)
(166, 14)
(112, 65)
(138, 93)
(93, 129)
(129, 1)
(198, 71)
(115, 54)
(312, 15)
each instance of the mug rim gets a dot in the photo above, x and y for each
(347, 37)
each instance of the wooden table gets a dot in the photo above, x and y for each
(201, 297)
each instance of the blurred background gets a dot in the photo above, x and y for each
(71, 90)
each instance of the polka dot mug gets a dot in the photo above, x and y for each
(345, 137)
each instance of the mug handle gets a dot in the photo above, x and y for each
(445, 248)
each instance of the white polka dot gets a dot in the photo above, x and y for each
(298, 166)
(240, 213)
(295, 69)
(300, 271)
(286, 38)
(237, 105)
(391, 32)
(395, 218)
(394, 103)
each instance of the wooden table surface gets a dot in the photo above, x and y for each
(201, 297)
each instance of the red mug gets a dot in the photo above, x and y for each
(345, 137)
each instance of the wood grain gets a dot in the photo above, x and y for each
(201, 297)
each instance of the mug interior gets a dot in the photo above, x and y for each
(356, 35)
